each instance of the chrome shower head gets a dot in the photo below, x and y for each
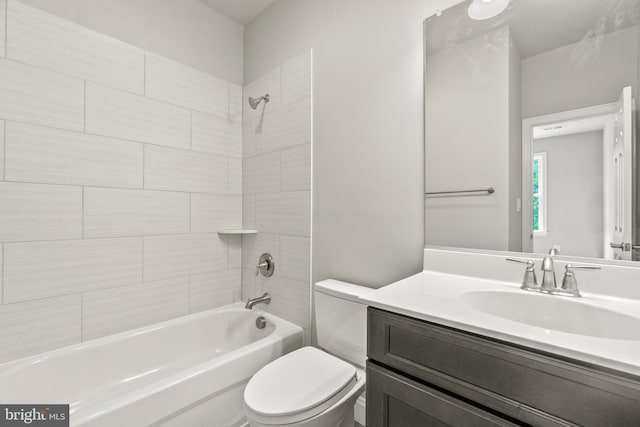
(254, 102)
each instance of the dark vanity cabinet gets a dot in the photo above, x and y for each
(424, 374)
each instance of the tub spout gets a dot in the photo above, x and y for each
(266, 299)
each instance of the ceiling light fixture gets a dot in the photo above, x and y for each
(486, 9)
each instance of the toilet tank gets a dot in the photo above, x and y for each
(341, 320)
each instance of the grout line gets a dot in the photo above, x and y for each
(18, 242)
(150, 190)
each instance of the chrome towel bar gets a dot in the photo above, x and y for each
(486, 191)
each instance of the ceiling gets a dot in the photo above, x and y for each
(537, 26)
(241, 11)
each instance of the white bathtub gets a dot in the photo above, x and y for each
(185, 372)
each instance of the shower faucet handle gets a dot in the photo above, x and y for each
(266, 265)
(529, 281)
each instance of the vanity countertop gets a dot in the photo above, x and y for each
(435, 297)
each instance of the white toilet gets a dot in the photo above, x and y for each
(311, 387)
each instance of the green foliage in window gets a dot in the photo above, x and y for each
(536, 173)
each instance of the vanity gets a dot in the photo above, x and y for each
(461, 344)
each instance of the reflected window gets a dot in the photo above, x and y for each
(540, 193)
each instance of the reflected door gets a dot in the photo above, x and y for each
(620, 179)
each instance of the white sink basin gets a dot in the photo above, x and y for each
(555, 313)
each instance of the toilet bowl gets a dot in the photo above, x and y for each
(316, 387)
(307, 387)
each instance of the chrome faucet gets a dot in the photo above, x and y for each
(549, 284)
(266, 299)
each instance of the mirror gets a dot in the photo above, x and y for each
(530, 127)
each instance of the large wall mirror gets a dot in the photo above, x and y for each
(530, 116)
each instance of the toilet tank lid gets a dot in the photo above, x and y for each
(343, 290)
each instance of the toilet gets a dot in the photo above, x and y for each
(314, 387)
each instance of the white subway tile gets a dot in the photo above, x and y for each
(40, 154)
(216, 135)
(178, 84)
(248, 284)
(234, 250)
(44, 269)
(296, 168)
(290, 299)
(255, 245)
(39, 38)
(249, 211)
(213, 212)
(39, 212)
(114, 212)
(295, 258)
(235, 103)
(261, 174)
(249, 129)
(183, 255)
(178, 170)
(33, 327)
(269, 83)
(124, 115)
(284, 213)
(33, 95)
(235, 176)
(286, 127)
(207, 291)
(110, 311)
(296, 79)
(3, 19)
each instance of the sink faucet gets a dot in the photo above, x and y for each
(549, 283)
(266, 299)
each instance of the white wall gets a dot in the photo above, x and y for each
(575, 194)
(467, 114)
(118, 168)
(572, 70)
(367, 127)
(186, 31)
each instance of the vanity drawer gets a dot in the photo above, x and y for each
(529, 386)
(396, 401)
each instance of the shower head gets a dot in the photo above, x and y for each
(254, 102)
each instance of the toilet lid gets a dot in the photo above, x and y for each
(298, 385)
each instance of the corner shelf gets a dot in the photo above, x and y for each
(238, 231)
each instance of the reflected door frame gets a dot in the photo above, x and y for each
(527, 158)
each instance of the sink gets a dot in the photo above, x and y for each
(556, 313)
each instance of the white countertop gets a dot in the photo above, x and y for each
(434, 297)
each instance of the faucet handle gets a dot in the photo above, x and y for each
(529, 281)
(569, 283)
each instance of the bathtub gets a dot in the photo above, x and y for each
(190, 371)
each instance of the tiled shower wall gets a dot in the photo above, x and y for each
(276, 189)
(117, 166)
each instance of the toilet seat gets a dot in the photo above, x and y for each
(298, 386)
